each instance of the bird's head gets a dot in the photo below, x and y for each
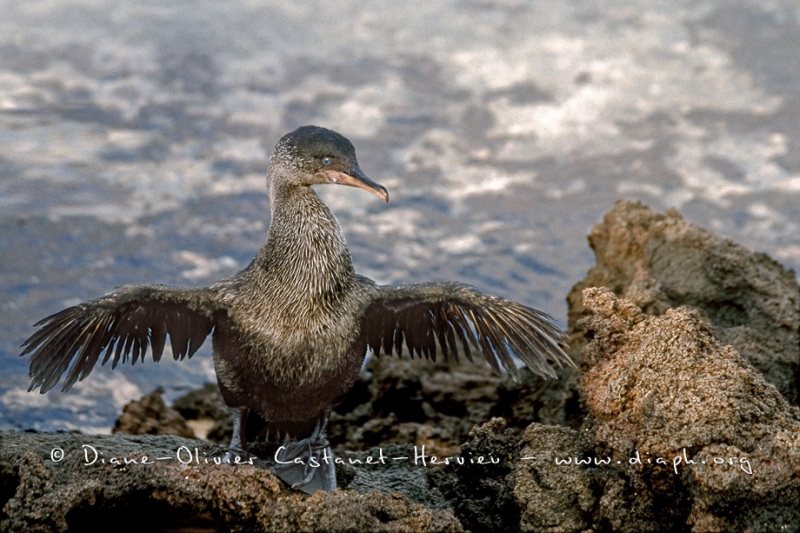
(311, 155)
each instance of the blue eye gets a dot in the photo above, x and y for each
(326, 161)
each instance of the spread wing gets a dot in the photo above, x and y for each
(453, 316)
(123, 324)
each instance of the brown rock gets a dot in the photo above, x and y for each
(206, 413)
(553, 490)
(658, 261)
(67, 493)
(418, 402)
(713, 437)
(149, 415)
(202, 403)
(482, 495)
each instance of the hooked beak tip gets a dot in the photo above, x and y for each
(358, 179)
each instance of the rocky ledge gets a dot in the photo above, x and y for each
(683, 415)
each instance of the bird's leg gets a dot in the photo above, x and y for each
(299, 463)
(238, 446)
(318, 446)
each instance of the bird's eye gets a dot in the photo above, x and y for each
(326, 161)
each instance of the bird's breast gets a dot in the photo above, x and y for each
(287, 373)
(294, 342)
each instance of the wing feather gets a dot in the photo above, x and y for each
(439, 317)
(158, 337)
(124, 324)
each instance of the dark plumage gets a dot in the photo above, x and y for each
(291, 330)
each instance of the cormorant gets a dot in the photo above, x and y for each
(290, 331)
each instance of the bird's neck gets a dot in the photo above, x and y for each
(305, 250)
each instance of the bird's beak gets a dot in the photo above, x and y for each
(354, 177)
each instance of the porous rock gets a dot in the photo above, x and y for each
(696, 430)
(659, 261)
(44, 490)
(150, 415)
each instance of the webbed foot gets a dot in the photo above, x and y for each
(307, 465)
